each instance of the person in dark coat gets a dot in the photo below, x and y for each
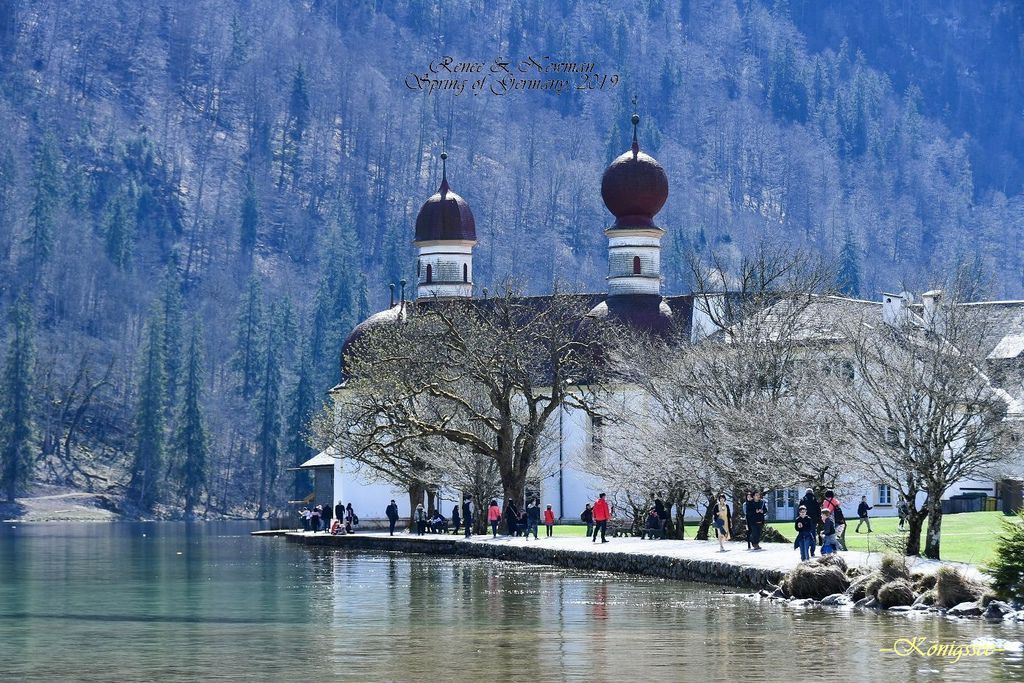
(456, 519)
(314, 520)
(325, 516)
(810, 501)
(757, 513)
(391, 512)
(532, 519)
(806, 530)
(467, 514)
(339, 511)
(587, 517)
(748, 510)
(512, 518)
(862, 514)
(662, 511)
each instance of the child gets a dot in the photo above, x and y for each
(549, 520)
(805, 530)
(829, 541)
(862, 513)
(723, 522)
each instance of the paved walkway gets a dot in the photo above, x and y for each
(774, 556)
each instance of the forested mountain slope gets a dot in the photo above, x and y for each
(199, 198)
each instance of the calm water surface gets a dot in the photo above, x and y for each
(176, 602)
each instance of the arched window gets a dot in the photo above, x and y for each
(465, 272)
(636, 265)
(430, 274)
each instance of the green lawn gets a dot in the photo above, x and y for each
(966, 537)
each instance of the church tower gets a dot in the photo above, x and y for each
(634, 188)
(445, 237)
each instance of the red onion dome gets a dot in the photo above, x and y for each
(634, 187)
(446, 215)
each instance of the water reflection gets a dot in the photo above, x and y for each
(193, 602)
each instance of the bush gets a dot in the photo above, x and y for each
(1007, 570)
(952, 587)
(815, 580)
(772, 535)
(923, 582)
(896, 593)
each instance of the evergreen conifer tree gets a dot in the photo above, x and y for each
(848, 277)
(16, 403)
(191, 444)
(144, 486)
(46, 187)
(247, 360)
(269, 406)
(301, 405)
(171, 309)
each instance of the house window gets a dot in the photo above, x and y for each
(465, 272)
(430, 274)
(636, 265)
(884, 494)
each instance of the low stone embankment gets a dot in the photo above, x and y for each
(632, 556)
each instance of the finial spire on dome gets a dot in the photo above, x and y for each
(636, 120)
(444, 171)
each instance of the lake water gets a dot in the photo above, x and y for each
(177, 602)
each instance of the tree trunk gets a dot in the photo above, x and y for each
(415, 498)
(513, 485)
(931, 543)
(431, 501)
(705, 523)
(915, 520)
(678, 530)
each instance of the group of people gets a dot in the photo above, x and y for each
(319, 518)
(521, 522)
(596, 518)
(755, 514)
(823, 524)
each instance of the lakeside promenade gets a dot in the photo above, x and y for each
(687, 560)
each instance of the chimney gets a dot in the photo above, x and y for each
(933, 318)
(896, 308)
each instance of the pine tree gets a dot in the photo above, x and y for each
(170, 304)
(268, 442)
(16, 403)
(1007, 569)
(45, 201)
(250, 220)
(144, 486)
(119, 230)
(301, 405)
(848, 277)
(190, 439)
(247, 359)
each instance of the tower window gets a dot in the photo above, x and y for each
(465, 272)
(636, 265)
(430, 274)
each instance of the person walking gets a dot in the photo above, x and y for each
(587, 517)
(456, 519)
(806, 528)
(391, 512)
(339, 511)
(512, 518)
(420, 518)
(533, 519)
(810, 501)
(835, 509)
(756, 517)
(467, 514)
(494, 516)
(601, 514)
(903, 510)
(862, 514)
(722, 520)
(748, 510)
(549, 521)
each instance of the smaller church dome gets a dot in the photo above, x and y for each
(445, 216)
(634, 187)
(397, 312)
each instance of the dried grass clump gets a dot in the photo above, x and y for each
(952, 587)
(896, 593)
(815, 580)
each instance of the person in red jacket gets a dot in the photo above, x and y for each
(549, 520)
(601, 516)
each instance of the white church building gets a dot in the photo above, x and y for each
(634, 188)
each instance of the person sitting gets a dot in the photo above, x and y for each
(652, 528)
(337, 527)
(438, 524)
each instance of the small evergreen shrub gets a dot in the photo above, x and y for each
(1007, 570)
